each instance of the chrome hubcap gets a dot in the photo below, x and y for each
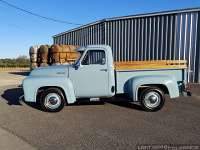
(152, 99)
(52, 101)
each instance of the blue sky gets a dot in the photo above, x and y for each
(18, 31)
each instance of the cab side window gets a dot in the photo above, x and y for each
(94, 57)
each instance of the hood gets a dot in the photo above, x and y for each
(59, 70)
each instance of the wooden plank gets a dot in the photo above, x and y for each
(153, 62)
(158, 64)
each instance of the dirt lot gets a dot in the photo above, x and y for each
(97, 125)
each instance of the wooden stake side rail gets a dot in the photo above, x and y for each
(157, 64)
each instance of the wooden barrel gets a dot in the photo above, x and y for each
(61, 54)
(44, 65)
(54, 54)
(43, 53)
(33, 66)
(73, 55)
(33, 51)
(65, 49)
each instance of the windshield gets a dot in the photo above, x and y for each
(79, 57)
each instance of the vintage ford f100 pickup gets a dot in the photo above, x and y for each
(96, 75)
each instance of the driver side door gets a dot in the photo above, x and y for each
(91, 78)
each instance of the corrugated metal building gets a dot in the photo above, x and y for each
(156, 36)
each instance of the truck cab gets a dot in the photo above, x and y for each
(93, 74)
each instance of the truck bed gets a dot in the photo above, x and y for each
(127, 70)
(157, 64)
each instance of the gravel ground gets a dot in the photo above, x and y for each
(98, 125)
(12, 78)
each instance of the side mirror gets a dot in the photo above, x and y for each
(77, 65)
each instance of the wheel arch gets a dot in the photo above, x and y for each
(159, 86)
(166, 83)
(43, 88)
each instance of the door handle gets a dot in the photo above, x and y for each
(104, 70)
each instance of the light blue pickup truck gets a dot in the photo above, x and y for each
(95, 75)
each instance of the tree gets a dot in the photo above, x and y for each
(21, 61)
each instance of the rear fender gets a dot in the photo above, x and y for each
(168, 81)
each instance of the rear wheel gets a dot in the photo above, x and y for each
(152, 99)
(52, 100)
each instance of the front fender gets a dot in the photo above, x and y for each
(32, 84)
(168, 81)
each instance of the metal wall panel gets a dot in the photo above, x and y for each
(84, 36)
(173, 36)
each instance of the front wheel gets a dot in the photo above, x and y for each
(152, 99)
(52, 100)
